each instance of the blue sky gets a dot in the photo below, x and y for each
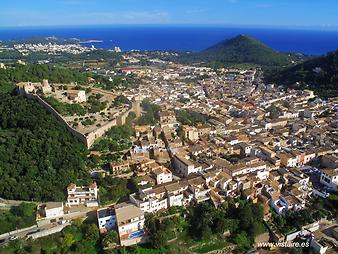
(290, 13)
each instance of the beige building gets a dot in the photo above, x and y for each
(190, 133)
(184, 166)
(130, 224)
(119, 167)
(168, 118)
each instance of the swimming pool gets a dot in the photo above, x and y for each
(136, 234)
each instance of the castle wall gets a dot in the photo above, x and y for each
(59, 117)
(89, 138)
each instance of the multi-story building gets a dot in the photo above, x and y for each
(119, 167)
(162, 175)
(168, 118)
(106, 218)
(130, 224)
(150, 199)
(288, 160)
(84, 195)
(190, 133)
(184, 166)
(178, 193)
(329, 177)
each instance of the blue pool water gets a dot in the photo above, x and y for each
(136, 234)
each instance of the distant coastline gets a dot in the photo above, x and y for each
(179, 38)
(91, 41)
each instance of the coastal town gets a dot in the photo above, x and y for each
(199, 135)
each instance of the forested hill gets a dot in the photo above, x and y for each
(38, 157)
(319, 74)
(244, 49)
(35, 73)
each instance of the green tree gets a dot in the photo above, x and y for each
(38, 157)
(91, 231)
(68, 240)
(110, 238)
(242, 240)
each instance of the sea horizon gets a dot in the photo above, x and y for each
(182, 37)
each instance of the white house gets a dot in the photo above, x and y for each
(184, 166)
(162, 175)
(285, 203)
(329, 177)
(179, 193)
(106, 219)
(84, 195)
(279, 206)
(53, 209)
(50, 212)
(150, 200)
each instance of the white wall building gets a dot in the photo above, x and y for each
(184, 166)
(50, 212)
(106, 219)
(162, 175)
(329, 177)
(149, 201)
(130, 224)
(84, 195)
(54, 209)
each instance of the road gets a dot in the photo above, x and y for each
(23, 234)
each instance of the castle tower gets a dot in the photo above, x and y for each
(136, 105)
(46, 88)
(121, 119)
(45, 82)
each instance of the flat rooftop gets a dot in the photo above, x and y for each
(126, 211)
(105, 212)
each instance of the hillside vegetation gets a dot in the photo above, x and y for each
(17, 217)
(244, 49)
(38, 157)
(35, 73)
(319, 74)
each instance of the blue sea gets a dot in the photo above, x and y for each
(194, 38)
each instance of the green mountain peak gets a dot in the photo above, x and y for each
(244, 49)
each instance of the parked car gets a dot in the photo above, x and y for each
(63, 222)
